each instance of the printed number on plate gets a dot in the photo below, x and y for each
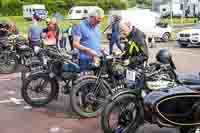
(130, 75)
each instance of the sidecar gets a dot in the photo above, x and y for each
(175, 107)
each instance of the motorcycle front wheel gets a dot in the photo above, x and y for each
(89, 96)
(39, 90)
(123, 115)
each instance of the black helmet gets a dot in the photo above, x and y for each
(164, 56)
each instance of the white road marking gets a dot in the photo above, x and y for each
(11, 100)
(27, 107)
(16, 101)
(1, 79)
(5, 101)
(54, 130)
(6, 77)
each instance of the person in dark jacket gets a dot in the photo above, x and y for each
(136, 49)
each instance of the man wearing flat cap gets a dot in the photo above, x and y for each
(87, 38)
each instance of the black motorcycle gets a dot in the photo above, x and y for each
(8, 59)
(89, 96)
(173, 107)
(173, 104)
(45, 85)
(17, 52)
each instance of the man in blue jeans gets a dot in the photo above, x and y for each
(87, 38)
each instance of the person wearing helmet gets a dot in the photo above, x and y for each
(35, 32)
(136, 49)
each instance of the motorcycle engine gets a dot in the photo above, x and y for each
(157, 85)
(118, 71)
(160, 81)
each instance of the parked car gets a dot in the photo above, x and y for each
(163, 31)
(145, 20)
(190, 36)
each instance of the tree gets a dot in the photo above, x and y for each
(131, 3)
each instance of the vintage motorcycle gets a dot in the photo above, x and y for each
(42, 87)
(175, 106)
(17, 52)
(88, 98)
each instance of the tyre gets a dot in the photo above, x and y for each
(8, 63)
(129, 111)
(183, 45)
(51, 92)
(88, 97)
(25, 73)
(166, 37)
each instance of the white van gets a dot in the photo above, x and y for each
(147, 21)
(80, 12)
(29, 10)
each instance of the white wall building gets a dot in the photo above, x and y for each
(188, 8)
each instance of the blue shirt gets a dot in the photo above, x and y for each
(90, 37)
(35, 32)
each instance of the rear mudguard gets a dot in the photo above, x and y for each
(91, 77)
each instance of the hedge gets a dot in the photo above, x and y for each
(14, 8)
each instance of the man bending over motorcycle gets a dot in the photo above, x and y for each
(136, 50)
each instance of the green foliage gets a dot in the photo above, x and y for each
(14, 7)
(131, 3)
(180, 20)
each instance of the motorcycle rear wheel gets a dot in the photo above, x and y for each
(39, 102)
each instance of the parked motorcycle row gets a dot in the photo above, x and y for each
(126, 97)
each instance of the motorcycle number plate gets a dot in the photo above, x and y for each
(44, 60)
(130, 75)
